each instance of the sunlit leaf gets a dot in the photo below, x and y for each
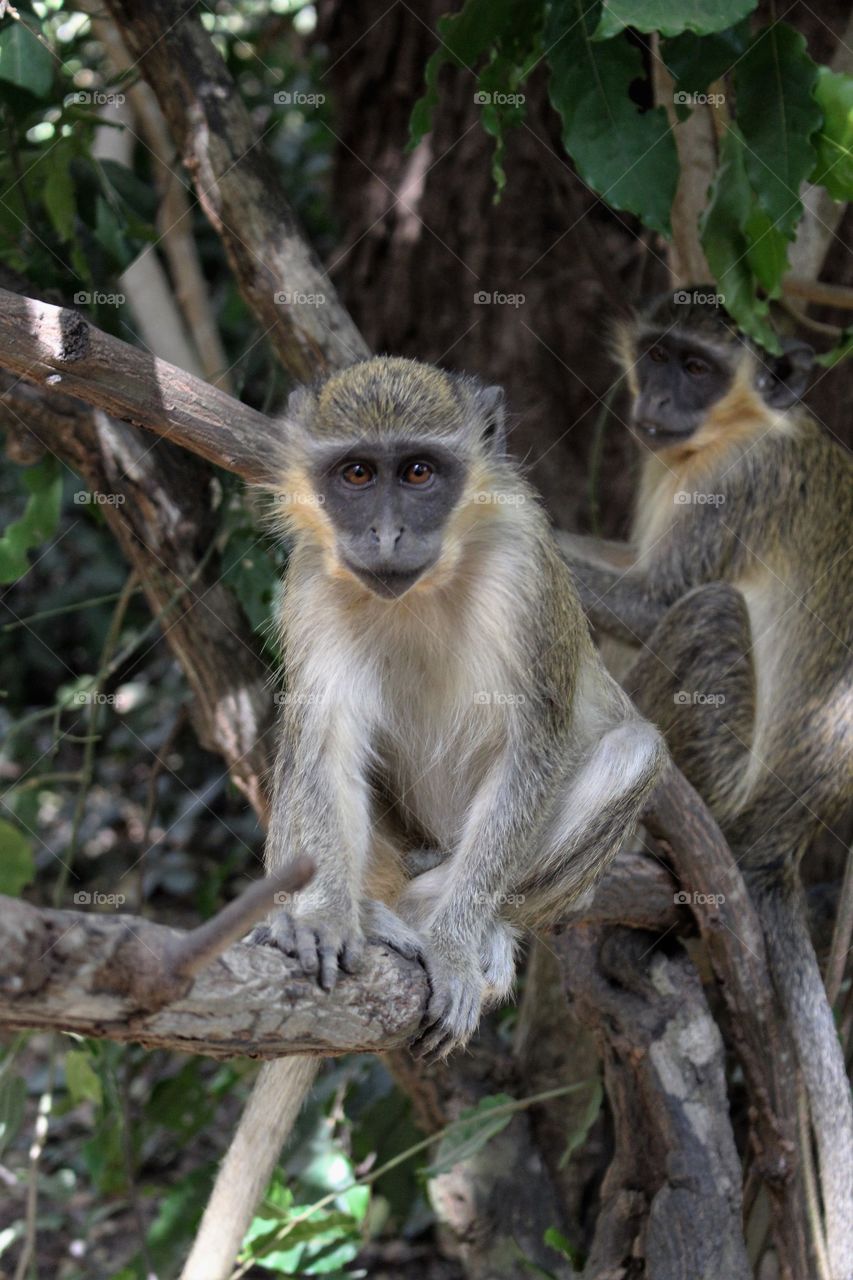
(834, 141)
(17, 864)
(671, 17)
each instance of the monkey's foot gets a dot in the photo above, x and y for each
(456, 999)
(323, 947)
(381, 924)
(497, 954)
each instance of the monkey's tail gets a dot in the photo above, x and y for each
(800, 987)
(243, 1176)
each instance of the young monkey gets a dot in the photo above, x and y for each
(738, 597)
(445, 709)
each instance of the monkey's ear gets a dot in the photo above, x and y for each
(784, 378)
(299, 404)
(491, 409)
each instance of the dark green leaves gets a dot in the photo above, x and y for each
(777, 116)
(626, 155)
(24, 60)
(726, 244)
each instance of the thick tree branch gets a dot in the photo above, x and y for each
(110, 976)
(57, 347)
(239, 189)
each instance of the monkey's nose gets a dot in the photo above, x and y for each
(387, 538)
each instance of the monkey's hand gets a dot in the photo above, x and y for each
(457, 990)
(322, 943)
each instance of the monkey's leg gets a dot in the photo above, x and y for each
(696, 680)
(589, 811)
(276, 1099)
(592, 816)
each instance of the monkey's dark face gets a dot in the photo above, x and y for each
(389, 504)
(679, 379)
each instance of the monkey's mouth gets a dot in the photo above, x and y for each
(659, 437)
(385, 583)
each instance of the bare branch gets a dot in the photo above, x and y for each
(238, 188)
(58, 348)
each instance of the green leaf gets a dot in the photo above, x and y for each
(17, 865)
(626, 155)
(556, 1240)
(37, 524)
(695, 62)
(777, 115)
(834, 142)
(842, 349)
(81, 1078)
(470, 1133)
(464, 38)
(670, 17)
(58, 191)
(767, 253)
(24, 61)
(13, 1097)
(726, 246)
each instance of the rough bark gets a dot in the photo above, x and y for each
(671, 1200)
(238, 187)
(79, 971)
(98, 974)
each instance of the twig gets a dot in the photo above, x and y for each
(842, 934)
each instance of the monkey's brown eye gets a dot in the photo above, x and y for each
(658, 355)
(418, 473)
(695, 367)
(357, 474)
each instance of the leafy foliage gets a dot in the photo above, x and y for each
(792, 120)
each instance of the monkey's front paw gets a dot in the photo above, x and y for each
(453, 1012)
(322, 946)
(381, 924)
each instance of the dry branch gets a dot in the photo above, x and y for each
(122, 977)
(57, 347)
(237, 186)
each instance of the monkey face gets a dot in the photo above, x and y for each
(678, 381)
(388, 503)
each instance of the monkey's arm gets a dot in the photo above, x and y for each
(320, 803)
(625, 605)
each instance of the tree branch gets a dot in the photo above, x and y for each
(238, 188)
(122, 977)
(58, 348)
